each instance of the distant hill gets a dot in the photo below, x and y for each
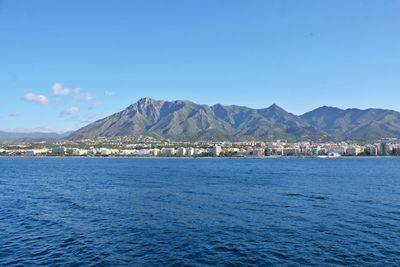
(185, 120)
(13, 136)
(355, 124)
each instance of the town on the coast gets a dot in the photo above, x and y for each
(143, 146)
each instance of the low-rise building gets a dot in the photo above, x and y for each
(35, 152)
(79, 152)
(353, 150)
(169, 152)
(106, 152)
(59, 150)
(337, 149)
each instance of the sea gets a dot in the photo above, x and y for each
(199, 212)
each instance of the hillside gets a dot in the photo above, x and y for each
(185, 120)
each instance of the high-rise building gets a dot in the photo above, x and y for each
(190, 151)
(216, 151)
(383, 149)
(181, 151)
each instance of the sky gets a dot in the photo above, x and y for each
(65, 63)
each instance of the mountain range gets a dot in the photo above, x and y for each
(188, 121)
(355, 124)
(13, 136)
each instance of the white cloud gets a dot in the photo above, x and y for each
(38, 99)
(14, 114)
(109, 93)
(59, 89)
(84, 97)
(71, 110)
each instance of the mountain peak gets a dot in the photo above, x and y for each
(329, 108)
(275, 106)
(325, 110)
(146, 100)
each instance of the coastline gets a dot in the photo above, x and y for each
(217, 158)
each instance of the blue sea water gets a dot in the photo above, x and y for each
(196, 212)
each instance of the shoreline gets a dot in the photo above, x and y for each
(266, 157)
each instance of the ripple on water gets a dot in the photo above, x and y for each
(124, 212)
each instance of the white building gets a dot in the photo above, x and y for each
(190, 151)
(79, 152)
(105, 151)
(128, 152)
(353, 150)
(216, 151)
(155, 152)
(93, 152)
(337, 149)
(181, 152)
(199, 151)
(34, 152)
(143, 152)
(168, 152)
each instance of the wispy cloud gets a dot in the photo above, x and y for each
(59, 89)
(14, 114)
(95, 105)
(90, 119)
(109, 93)
(41, 129)
(84, 97)
(38, 99)
(70, 111)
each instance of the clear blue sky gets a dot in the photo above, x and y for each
(297, 54)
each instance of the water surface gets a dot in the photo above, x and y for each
(163, 212)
